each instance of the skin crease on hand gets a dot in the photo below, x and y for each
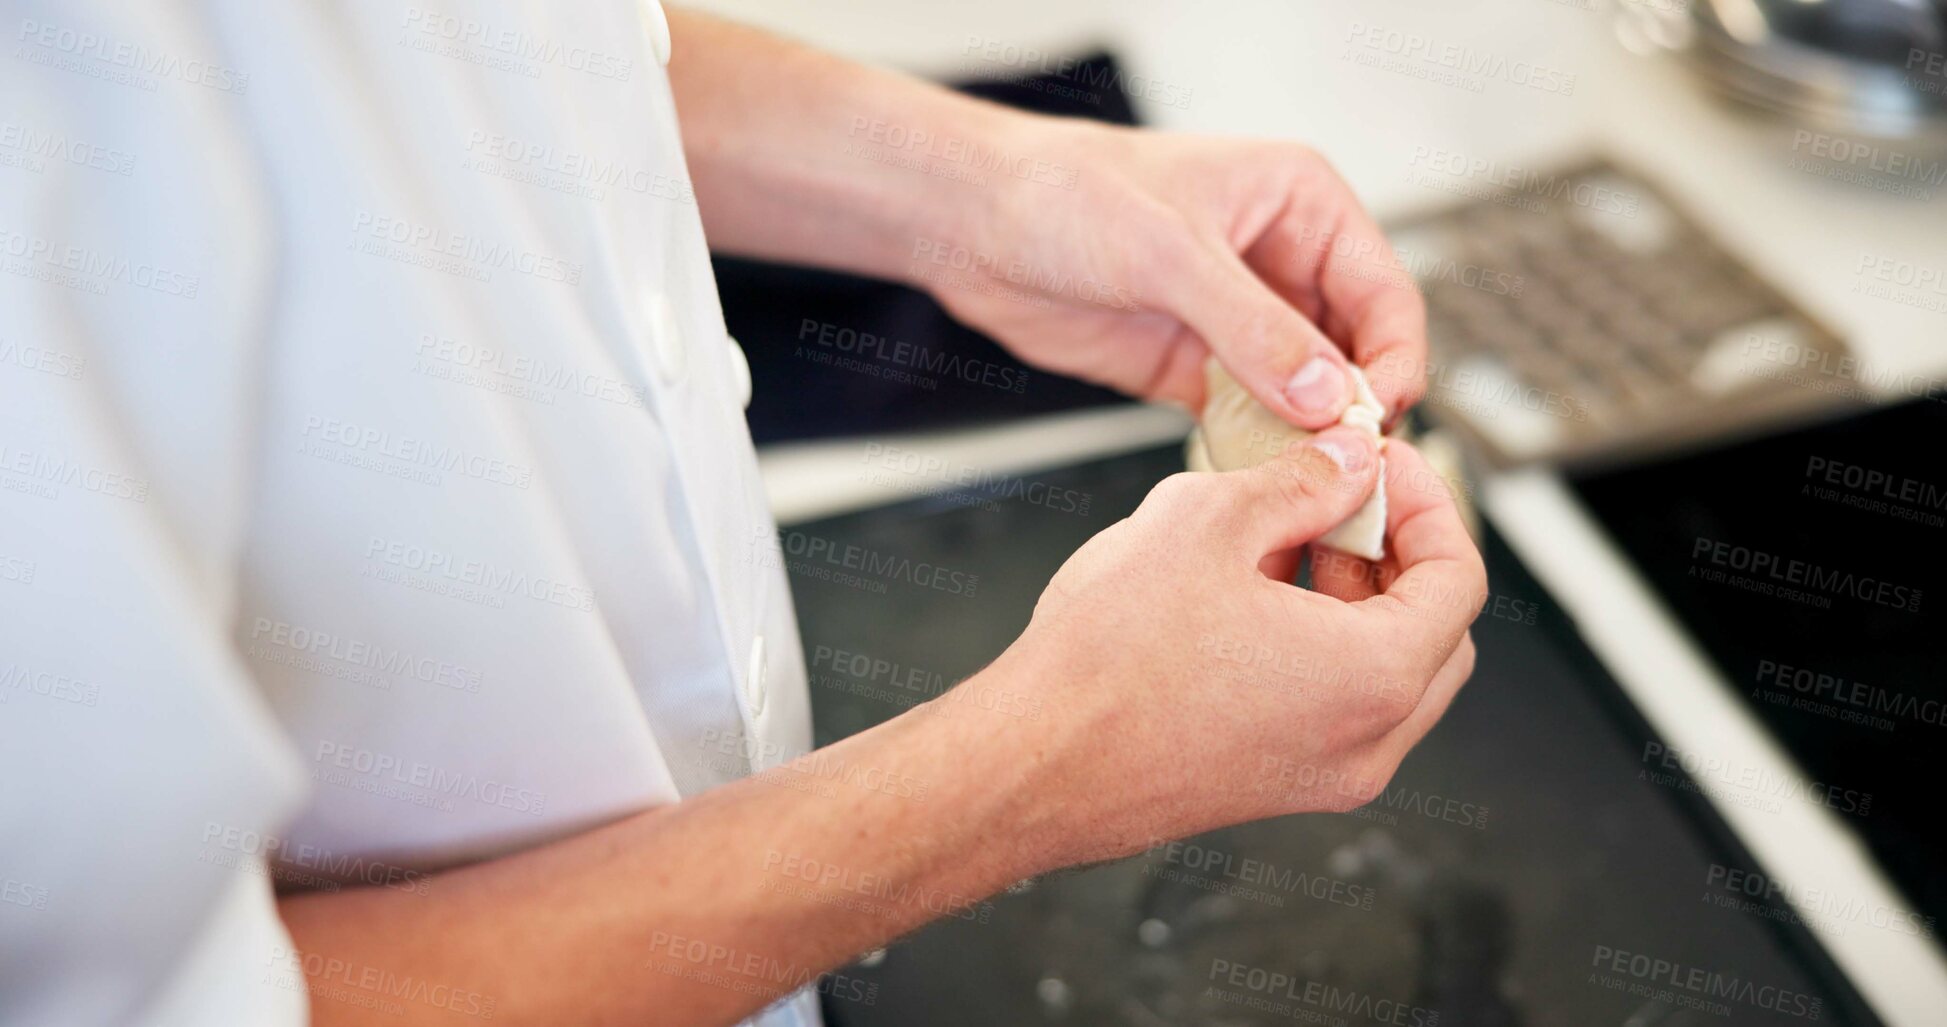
(1267, 699)
(1180, 687)
(1169, 248)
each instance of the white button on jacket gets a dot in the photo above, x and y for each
(657, 24)
(374, 484)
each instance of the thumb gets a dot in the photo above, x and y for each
(1304, 492)
(1263, 341)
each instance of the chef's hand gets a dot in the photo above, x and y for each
(1187, 690)
(1168, 248)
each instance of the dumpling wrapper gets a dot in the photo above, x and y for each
(1240, 432)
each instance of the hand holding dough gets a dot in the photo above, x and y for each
(1238, 432)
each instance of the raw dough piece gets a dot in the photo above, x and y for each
(1238, 432)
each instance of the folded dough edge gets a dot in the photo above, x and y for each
(1237, 432)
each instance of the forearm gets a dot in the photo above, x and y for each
(781, 141)
(705, 911)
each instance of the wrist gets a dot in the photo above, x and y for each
(1044, 738)
(1015, 756)
(957, 199)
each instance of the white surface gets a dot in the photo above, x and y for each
(809, 480)
(1278, 68)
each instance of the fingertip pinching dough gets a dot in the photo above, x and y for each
(1237, 432)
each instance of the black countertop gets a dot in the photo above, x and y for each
(1524, 861)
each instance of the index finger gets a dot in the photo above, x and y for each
(1441, 583)
(1373, 304)
(1329, 256)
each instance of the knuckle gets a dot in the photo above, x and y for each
(1360, 721)
(1186, 496)
(1290, 480)
(1313, 160)
(1357, 787)
(1253, 336)
(1375, 779)
(1397, 664)
(1175, 490)
(1305, 475)
(1476, 584)
(1174, 261)
(1466, 657)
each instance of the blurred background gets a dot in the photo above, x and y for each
(1686, 268)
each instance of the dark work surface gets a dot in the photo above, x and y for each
(1523, 837)
(1864, 613)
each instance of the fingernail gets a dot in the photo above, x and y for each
(1350, 450)
(1318, 389)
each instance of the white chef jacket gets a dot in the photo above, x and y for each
(375, 494)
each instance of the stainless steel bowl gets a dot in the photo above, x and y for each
(1867, 67)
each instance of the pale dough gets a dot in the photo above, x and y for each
(1238, 432)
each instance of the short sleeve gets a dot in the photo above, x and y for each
(140, 771)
